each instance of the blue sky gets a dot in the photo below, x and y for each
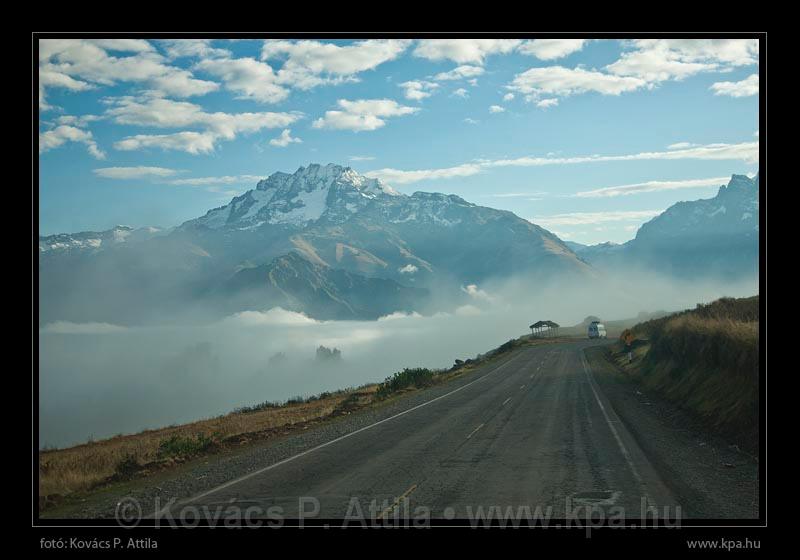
(588, 138)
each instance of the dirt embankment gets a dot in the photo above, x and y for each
(706, 361)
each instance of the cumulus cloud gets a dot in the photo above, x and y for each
(460, 73)
(307, 64)
(546, 103)
(138, 172)
(166, 113)
(651, 186)
(561, 81)
(418, 90)
(189, 142)
(60, 135)
(657, 60)
(461, 92)
(248, 78)
(284, 139)
(551, 49)
(508, 97)
(362, 114)
(408, 269)
(464, 50)
(199, 48)
(78, 64)
(744, 88)
(496, 109)
(474, 292)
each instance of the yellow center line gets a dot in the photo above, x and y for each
(397, 501)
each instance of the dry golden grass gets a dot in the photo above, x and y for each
(80, 468)
(706, 360)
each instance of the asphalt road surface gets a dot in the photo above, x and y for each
(531, 431)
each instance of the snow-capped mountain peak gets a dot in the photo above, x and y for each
(305, 196)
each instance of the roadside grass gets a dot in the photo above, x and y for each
(83, 468)
(706, 361)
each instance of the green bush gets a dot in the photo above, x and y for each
(181, 446)
(409, 377)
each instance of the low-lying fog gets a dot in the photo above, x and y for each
(98, 379)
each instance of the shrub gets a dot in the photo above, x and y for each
(181, 446)
(409, 377)
(127, 466)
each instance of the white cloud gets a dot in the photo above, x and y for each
(275, 316)
(681, 146)
(464, 50)
(546, 103)
(408, 269)
(122, 45)
(418, 89)
(557, 80)
(166, 113)
(362, 158)
(308, 63)
(400, 177)
(460, 73)
(362, 114)
(745, 151)
(469, 120)
(551, 49)
(60, 135)
(590, 218)
(508, 97)
(657, 60)
(461, 92)
(246, 77)
(743, 88)
(196, 48)
(496, 109)
(473, 291)
(77, 64)
(224, 180)
(284, 139)
(138, 172)
(189, 142)
(651, 186)
(80, 121)
(65, 327)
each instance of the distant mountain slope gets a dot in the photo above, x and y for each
(715, 237)
(295, 283)
(349, 230)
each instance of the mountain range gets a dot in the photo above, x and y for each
(708, 238)
(334, 244)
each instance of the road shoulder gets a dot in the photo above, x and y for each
(708, 474)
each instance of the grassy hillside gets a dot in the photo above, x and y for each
(706, 360)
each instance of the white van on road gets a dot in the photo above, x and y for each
(597, 330)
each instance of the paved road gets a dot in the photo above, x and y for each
(531, 431)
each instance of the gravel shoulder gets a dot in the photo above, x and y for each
(709, 474)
